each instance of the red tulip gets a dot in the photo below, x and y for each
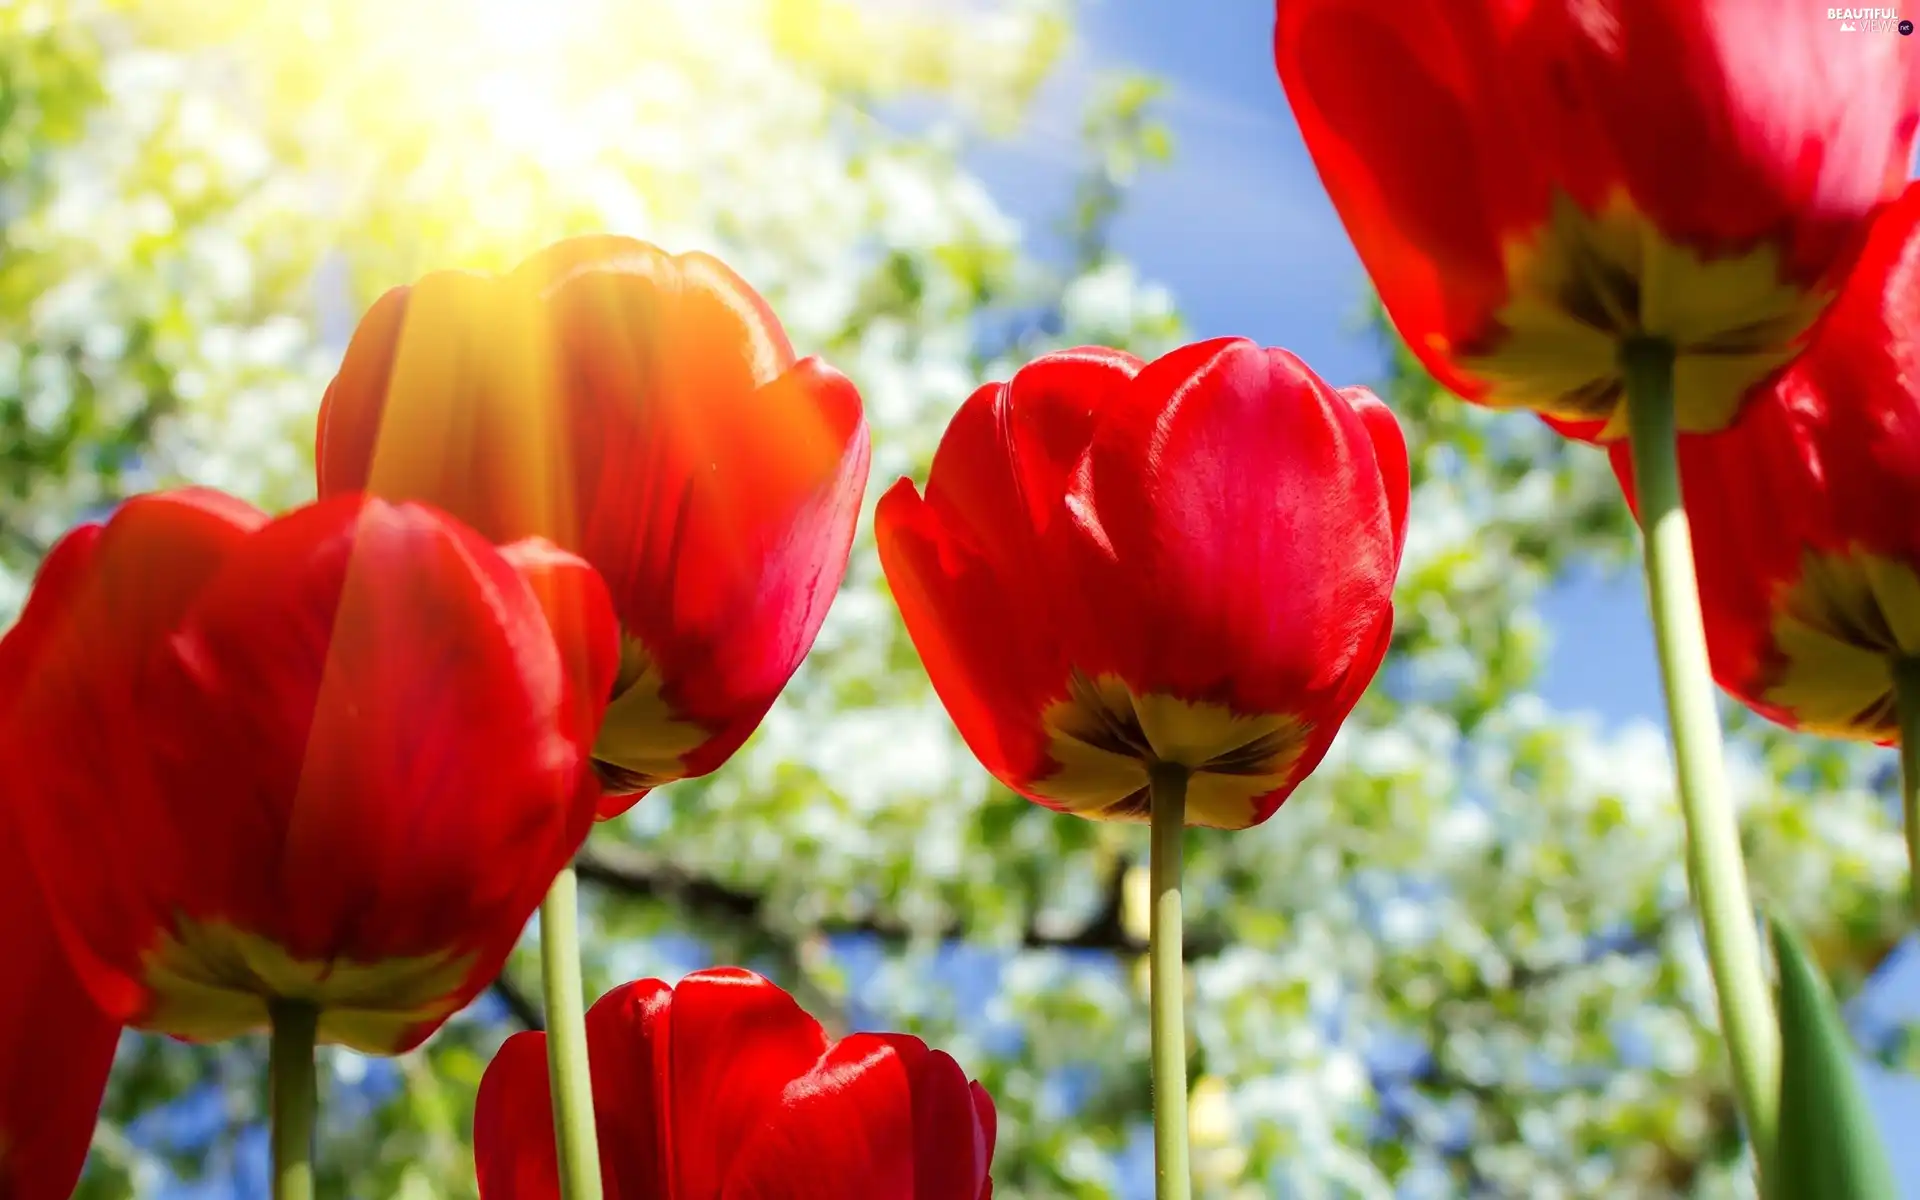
(646, 412)
(1119, 564)
(333, 758)
(55, 1045)
(723, 1089)
(1532, 185)
(1806, 538)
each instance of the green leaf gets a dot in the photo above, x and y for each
(1829, 1147)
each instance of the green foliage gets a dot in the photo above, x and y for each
(1828, 1149)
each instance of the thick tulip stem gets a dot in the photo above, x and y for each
(293, 1099)
(1167, 984)
(1906, 691)
(1714, 864)
(573, 1127)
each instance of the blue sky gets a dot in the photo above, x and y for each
(1242, 232)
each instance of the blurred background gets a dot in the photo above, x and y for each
(1459, 962)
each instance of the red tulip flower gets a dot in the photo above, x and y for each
(644, 411)
(333, 758)
(56, 1047)
(1534, 185)
(722, 1088)
(1119, 565)
(1806, 515)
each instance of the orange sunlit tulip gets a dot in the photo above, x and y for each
(645, 411)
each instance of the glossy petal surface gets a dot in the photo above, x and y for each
(56, 1046)
(1118, 564)
(1530, 184)
(1808, 558)
(646, 411)
(723, 1087)
(336, 757)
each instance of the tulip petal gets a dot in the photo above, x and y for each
(646, 411)
(1434, 252)
(629, 1047)
(991, 662)
(154, 555)
(578, 611)
(1239, 504)
(987, 1120)
(724, 536)
(880, 1115)
(952, 1145)
(1510, 175)
(1318, 739)
(348, 428)
(737, 1042)
(967, 567)
(290, 815)
(1808, 565)
(1862, 377)
(648, 345)
(968, 580)
(448, 396)
(56, 1046)
(1048, 411)
(1390, 452)
(722, 1087)
(102, 606)
(634, 318)
(514, 1156)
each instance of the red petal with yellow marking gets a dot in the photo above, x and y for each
(1530, 184)
(724, 539)
(1240, 506)
(646, 411)
(340, 764)
(1188, 561)
(1808, 559)
(979, 597)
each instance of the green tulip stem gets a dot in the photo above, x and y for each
(293, 1099)
(573, 1127)
(1167, 983)
(1906, 691)
(1714, 865)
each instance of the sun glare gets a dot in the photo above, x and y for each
(496, 125)
(513, 118)
(527, 24)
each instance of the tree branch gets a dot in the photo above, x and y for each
(631, 871)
